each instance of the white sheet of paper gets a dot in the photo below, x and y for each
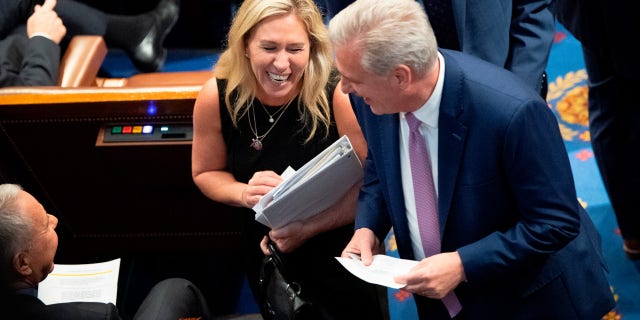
(92, 282)
(381, 271)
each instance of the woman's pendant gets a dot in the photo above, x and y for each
(256, 144)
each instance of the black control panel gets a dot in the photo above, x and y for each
(141, 132)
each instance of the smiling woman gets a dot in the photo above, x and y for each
(276, 102)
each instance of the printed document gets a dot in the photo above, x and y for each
(320, 183)
(381, 271)
(94, 282)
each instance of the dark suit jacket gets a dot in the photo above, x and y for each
(170, 299)
(514, 34)
(507, 200)
(28, 307)
(28, 62)
(24, 62)
(33, 62)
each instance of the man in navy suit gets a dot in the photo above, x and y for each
(514, 241)
(28, 243)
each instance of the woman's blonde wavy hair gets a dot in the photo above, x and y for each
(313, 103)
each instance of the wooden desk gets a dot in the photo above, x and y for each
(135, 198)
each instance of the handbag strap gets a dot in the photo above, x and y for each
(276, 257)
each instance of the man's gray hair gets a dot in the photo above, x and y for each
(14, 228)
(388, 33)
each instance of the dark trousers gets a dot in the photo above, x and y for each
(614, 124)
(173, 299)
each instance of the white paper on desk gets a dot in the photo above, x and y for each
(316, 186)
(93, 282)
(381, 271)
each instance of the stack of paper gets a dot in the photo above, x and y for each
(320, 183)
(92, 282)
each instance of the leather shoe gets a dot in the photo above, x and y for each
(149, 55)
(632, 248)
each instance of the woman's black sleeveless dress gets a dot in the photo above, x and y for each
(313, 265)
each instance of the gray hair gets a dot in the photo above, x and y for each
(389, 32)
(14, 229)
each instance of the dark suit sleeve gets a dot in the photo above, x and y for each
(28, 62)
(14, 13)
(81, 311)
(372, 211)
(532, 33)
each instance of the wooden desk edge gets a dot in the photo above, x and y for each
(57, 95)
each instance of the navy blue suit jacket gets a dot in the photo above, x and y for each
(507, 200)
(516, 35)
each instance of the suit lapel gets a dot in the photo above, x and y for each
(389, 136)
(451, 137)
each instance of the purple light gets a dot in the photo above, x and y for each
(152, 109)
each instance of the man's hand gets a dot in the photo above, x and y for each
(291, 236)
(364, 243)
(435, 276)
(44, 21)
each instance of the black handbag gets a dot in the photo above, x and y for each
(280, 299)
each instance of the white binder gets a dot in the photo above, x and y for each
(320, 183)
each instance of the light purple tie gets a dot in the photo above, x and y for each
(426, 201)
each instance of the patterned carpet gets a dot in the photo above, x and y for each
(567, 97)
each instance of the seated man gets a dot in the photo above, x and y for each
(31, 57)
(28, 243)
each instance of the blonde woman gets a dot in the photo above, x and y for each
(275, 102)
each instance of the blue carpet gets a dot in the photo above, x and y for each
(567, 98)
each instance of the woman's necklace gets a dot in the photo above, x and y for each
(256, 143)
(275, 114)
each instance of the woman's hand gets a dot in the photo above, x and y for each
(261, 183)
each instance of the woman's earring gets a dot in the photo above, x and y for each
(246, 55)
